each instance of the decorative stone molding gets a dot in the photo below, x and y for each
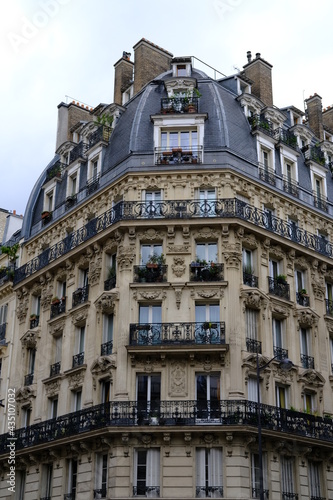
(277, 252)
(205, 233)
(151, 235)
(57, 327)
(306, 318)
(178, 293)
(80, 316)
(75, 380)
(207, 293)
(233, 255)
(25, 395)
(248, 240)
(178, 267)
(279, 310)
(179, 248)
(125, 257)
(106, 302)
(52, 388)
(253, 299)
(302, 263)
(23, 304)
(318, 289)
(149, 294)
(100, 368)
(178, 379)
(29, 339)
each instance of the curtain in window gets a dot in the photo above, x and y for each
(252, 393)
(153, 472)
(251, 318)
(201, 472)
(314, 479)
(287, 476)
(215, 471)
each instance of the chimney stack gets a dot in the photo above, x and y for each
(328, 117)
(315, 115)
(260, 72)
(123, 76)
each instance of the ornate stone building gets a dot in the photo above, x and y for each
(172, 259)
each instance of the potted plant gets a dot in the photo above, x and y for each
(55, 300)
(281, 278)
(33, 316)
(155, 261)
(303, 292)
(46, 214)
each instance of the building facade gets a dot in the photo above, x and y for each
(176, 251)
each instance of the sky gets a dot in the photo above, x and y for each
(54, 51)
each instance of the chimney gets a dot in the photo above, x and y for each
(123, 76)
(149, 61)
(260, 72)
(68, 116)
(315, 115)
(328, 117)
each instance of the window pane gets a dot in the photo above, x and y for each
(185, 139)
(173, 138)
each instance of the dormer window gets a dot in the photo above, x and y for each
(181, 70)
(181, 67)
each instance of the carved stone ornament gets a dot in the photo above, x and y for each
(29, 339)
(106, 302)
(52, 388)
(277, 252)
(318, 290)
(178, 248)
(178, 292)
(152, 295)
(23, 304)
(95, 269)
(178, 379)
(205, 233)
(311, 378)
(306, 318)
(57, 327)
(80, 316)
(207, 293)
(279, 310)
(151, 235)
(125, 257)
(250, 242)
(178, 267)
(253, 299)
(24, 395)
(102, 364)
(233, 256)
(76, 380)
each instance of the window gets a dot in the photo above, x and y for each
(329, 298)
(305, 348)
(255, 475)
(77, 400)
(299, 280)
(308, 400)
(181, 70)
(207, 323)
(148, 395)
(148, 251)
(209, 481)
(281, 396)
(252, 389)
(101, 476)
(266, 171)
(251, 325)
(287, 478)
(3, 314)
(186, 139)
(49, 201)
(107, 344)
(26, 416)
(331, 351)
(315, 479)
(84, 273)
(94, 168)
(105, 390)
(247, 261)
(208, 395)
(31, 361)
(274, 268)
(206, 252)
(289, 181)
(72, 478)
(78, 357)
(20, 484)
(46, 487)
(147, 473)
(73, 183)
(278, 333)
(36, 305)
(53, 403)
(269, 218)
(152, 205)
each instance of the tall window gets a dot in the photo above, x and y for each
(58, 349)
(207, 313)
(315, 479)
(209, 479)
(306, 359)
(274, 268)
(81, 333)
(281, 396)
(148, 251)
(107, 344)
(147, 473)
(308, 400)
(72, 478)
(101, 476)
(31, 361)
(299, 280)
(277, 326)
(53, 405)
(3, 314)
(47, 472)
(20, 484)
(26, 416)
(152, 203)
(186, 139)
(77, 400)
(105, 390)
(287, 478)
(255, 475)
(148, 394)
(251, 322)
(207, 251)
(208, 396)
(252, 389)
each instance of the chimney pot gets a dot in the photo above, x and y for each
(249, 56)
(257, 55)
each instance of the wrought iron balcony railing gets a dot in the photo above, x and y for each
(92, 184)
(314, 153)
(34, 321)
(79, 151)
(307, 361)
(280, 353)
(253, 345)
(100, 493)
(329, 307)
(78, 360)
(256, 493)
(286, 137)
(250, 279)
(290, 186)
(175, 156)
(58, 307)
(3, 331)
(55, 171)
(103, 133)
(289, 496)
(106, 348)
(170, 413)
(159, 334)
(259, 123)
(28, 379)
(110, 283)
(55, 369)
(175, 209)
(149, 274)
(279, 288)
(179, 105)
(7, 274)
(80, 295)
(267, 174)
(302, 299)
(70, 201)
(209, 272)
(320, 202)
(146, 491)
(209, 491)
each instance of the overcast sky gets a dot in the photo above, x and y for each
(51, 49)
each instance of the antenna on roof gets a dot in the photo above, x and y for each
(235, 67)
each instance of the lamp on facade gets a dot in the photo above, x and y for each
(285, 365)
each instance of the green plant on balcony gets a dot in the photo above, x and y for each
(111, 272)
(11, 252)
(199, 262)
(55, 300)
(303, 291)
(281, 279)
(155, 260)
(247, 269)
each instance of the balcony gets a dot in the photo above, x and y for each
(28, 379)
(286, 137)
(175, 334)
(146, 491)
(307, 362)
(110, 283)
(250, 280)
(206, 272)
(289, 496)
(290, 186)
(106, 348)
(92, 184)
(34, 321)
(320, 202)
(173, 210)
(278, 287)
(302, 299)
(79, 151)
(253, 345)
(171, 413)
(260, 124)
(329, 307)
(100, 493)
(7, 274)
(314, 153)
(150, 273)
(177, 156)
(103, 133)
(179, 105)
(80, 296)
(78, 360)
(267, 174)
(46, 217)
(209, 491)
(70, 201)
(55, 171)
(256, 493)
(280, 353)
(58, 307)
(55, 369)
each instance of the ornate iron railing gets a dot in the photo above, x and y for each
(253, 345)
(154, 334)
(250, 279)
(28, 379)
(106, 348)
(79, 151)
(280, 353)
(55, 369)
(209, 491)
(55, 171)
(58, 307)
(208, 272)
(148, 274)
(329, 307)
(179, 105)
(110, 283)
(314, 153)
(171, 413)
(34, 322)
(256, 493)
(70, 201)
(302, 300)
(289, 496)
(78, 360)
(102, 133)
(307, 361)
(320, 202)
(276, 287)
(175, 156)
(290, 187)
(267, 174)
(92, 184)
(258, 122)
(80, 295)
(146, 491)
(175, 209)
(100, 493)
(286, 137)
